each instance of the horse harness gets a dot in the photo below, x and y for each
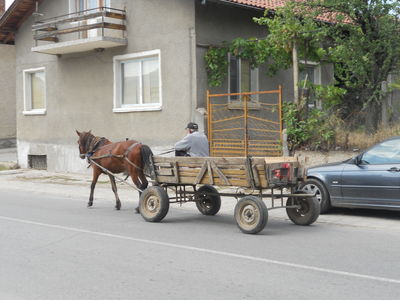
(89, 155)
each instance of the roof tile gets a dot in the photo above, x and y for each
(266, 4)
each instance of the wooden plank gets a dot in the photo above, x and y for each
(200, 160)
(249, 174)
(48, 29)
(220, 166)
(163, 165)
(263, 182)
(50, 39)
(280, 159)
(189, 180)
(193, 177)
(232, 173)
(220, 174)
(267, 173)
(210, 174)
(165, 172)
(255, 176)
(176, 172)
(115, 15)
(201, 174)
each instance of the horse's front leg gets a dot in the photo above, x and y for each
(96, 174)
(114, 189)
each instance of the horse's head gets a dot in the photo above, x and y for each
(83, 142)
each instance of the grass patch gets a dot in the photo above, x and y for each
(361, 140)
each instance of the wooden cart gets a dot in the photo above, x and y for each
(192, 179)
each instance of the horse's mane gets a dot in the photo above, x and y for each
(92, 143)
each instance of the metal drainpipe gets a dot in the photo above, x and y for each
(193, 85)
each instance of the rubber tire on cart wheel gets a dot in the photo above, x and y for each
(312, 186)
(154, 204)
(251, 214)
(208, 200)
(307, 213)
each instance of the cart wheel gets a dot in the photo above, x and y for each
(208, 200)
(154, 204)
(251, 214)
(306, 212)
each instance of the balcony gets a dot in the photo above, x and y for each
(93, 29)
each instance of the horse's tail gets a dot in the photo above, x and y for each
(147, 161)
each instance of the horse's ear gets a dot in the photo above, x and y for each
(90, 131)
(79, 134)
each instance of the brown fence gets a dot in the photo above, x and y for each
(245, 124)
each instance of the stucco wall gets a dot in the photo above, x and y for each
(7, 96)
(80, 86)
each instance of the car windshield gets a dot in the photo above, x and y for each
(383, 153)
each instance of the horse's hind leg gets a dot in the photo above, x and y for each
(114, 189)
(144, 182)
(96, 174)
(137, 182)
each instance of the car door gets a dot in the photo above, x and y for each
(373, 179)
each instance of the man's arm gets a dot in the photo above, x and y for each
(183, 144)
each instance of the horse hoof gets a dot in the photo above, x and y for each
(137, 210)
(117, 207)
(89, 204)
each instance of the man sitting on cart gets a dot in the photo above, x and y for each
(194, 143)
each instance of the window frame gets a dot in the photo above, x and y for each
(317, 79)
(118, 107)
(74, 5)
(254, 80)
(317, 70)
(254, 86)
(27, 90)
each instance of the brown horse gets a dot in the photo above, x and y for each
(129, 157)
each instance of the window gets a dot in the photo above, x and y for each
(137, 82)
(34, 91)
(80, 5)
(310, 72)
(242, 78)
(387, 152)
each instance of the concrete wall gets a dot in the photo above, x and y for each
(80, 86)
(309, 159)
(7, 96)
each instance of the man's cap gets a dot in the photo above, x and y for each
(192, 125)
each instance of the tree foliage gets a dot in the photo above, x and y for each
(365, 46)
(360, 37)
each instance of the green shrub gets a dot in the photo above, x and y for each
(311, 129)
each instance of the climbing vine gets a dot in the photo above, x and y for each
(216, 65)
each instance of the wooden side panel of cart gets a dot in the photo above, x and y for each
(229, 171)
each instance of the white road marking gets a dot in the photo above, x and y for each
(209, 251)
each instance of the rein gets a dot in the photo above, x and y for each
(166, 152)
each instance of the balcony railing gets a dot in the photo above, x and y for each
(98, 28)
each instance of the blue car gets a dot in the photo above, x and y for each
(369, 180)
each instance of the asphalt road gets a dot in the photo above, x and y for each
(53, 247)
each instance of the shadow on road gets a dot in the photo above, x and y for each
(371, 213)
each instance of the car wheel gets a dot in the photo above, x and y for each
(314, 186)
